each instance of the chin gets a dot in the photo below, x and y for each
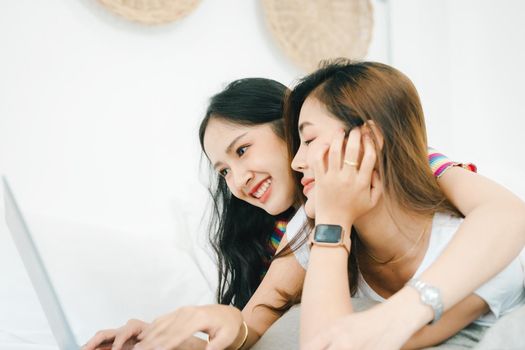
(309, 209)
(274, 209)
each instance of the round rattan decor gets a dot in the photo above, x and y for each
(312, 30)
(151, 11)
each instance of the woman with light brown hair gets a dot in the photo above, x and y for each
(358, 137)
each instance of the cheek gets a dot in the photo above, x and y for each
(314, 151)
(233, 189)
(279, 164)
(310, 157)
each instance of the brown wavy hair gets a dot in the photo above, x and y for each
(358, 92)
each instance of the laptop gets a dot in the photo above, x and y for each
(39, 277)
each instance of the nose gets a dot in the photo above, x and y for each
(241, 178)
(299, 160)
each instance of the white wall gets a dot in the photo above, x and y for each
(466, 59)
(99, 116)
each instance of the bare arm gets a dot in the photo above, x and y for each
(284, 275)
(453, 321)
(353, 331)
(341, 195)
(326, 296)
(494, 227)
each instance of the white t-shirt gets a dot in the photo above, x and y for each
(503, 293)
(296, 226)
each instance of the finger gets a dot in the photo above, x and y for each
(368, 162)
(124, 334)
(142, 334)
(335, 154)
(171, 336)
(353, 146)
(146, 333)
(99, 338)
(319, 161)
(161, 342)
(123, 337)
(151, 333)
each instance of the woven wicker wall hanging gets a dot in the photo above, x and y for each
(311, 30)
(151, 11)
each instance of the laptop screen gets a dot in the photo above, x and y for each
(37, 272)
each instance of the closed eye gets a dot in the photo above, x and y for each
(307, 142)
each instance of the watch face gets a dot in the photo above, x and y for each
(328, 233)
(430, 295)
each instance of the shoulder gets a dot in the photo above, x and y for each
(444, 226)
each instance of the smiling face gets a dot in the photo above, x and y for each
(254, 162)
(316, 128)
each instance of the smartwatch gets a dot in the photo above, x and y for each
(329, 236)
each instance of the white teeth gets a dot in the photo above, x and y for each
(262, 189)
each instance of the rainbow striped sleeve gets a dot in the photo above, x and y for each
(440, 163)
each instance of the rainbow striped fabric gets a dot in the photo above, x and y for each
(276, 236)
(439, 163)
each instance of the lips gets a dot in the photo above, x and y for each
(307, 183)
(261, 188)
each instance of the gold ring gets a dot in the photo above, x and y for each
(354, 164)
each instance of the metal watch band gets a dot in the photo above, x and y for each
(429, 295)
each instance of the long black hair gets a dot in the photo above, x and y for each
(240, 232)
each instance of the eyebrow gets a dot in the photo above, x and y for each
(229, 148)
(303, 125)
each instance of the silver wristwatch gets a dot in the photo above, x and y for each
(429, 295)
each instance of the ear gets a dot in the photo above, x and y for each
(371, 128)
(376, 188)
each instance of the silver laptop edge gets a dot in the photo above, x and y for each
(37, 272)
